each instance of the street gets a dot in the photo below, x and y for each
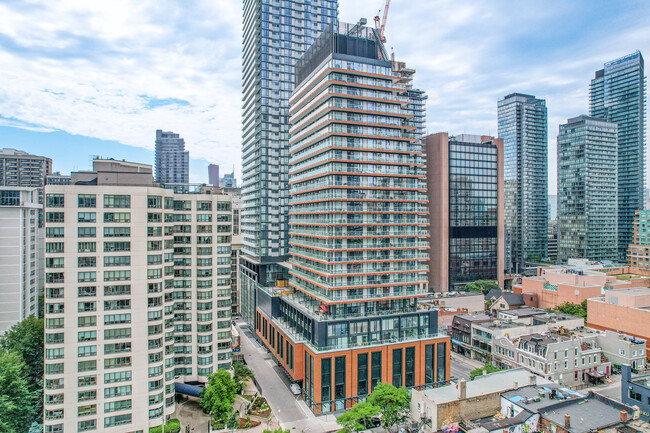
(290, 411)
(461, 366)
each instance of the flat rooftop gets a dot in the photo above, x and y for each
(535, 397)
(586, 414)
(482, 385)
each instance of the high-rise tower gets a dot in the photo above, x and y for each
(172, 160)
(276, 34)
(523, 127)
(587, 190)
(617, 94)
(349, 317)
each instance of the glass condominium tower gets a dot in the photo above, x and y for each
(523, 126)
(617, 94)
(276, 34)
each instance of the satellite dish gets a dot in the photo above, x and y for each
(576, 292)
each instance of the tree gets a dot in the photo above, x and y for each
(358, 418)
(16, 397)
(579, 310)
(241, 373)
(489, 368)
(26, 340)
(393, 403)
(481, 286)
(277, 430)
(219, 395)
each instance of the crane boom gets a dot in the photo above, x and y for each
(383, 21)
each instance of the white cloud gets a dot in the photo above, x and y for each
(102, 69)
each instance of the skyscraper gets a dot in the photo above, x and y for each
(137, 297)
(172, 160)
(213, 174)
(350, 317)
(21, 261)
(465, 191)
(275, 37)
(587, 154)
(523, 127)
(617, 94)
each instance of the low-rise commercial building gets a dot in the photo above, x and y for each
(626, 311)
(635, 390)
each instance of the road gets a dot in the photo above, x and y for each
(462, 366)
(291, 412)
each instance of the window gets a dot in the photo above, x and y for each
(117, 201)
(87, 395)
(117, 232)
(86, 277)
(117, 260)
(54, 262)
(86, 425)
(117, 420)
(112, 334)
(54, 217)
(154, 202)
(362, 374)
(118, 304)
(123, 361)
(54, 247)
(87, 247)
(86, 291)
(86, 200)
(397, 367)
(120, 376)
(114, 406)
(117, 348)
(117, 391)
(635, 395)
(54, 200)
(87, 336)
(54, 232)
(86, 232)
(84, 351)
(117, 275)
(83, 366)
(117, 217)
(86, 381)
(115, 319)
(116, 290)
(86, 262)
(110, 247)
(86, 321)
(86, 217)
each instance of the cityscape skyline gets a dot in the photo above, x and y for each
(106, 104)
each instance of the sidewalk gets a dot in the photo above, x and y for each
(474, 363)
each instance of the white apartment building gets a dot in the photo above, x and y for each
(137, 297)
(21, 259)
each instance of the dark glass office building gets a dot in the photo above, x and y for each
(466, 203)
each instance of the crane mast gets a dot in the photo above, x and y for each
(381, 25)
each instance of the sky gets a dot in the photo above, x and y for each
(80, 78)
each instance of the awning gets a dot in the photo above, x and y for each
(595, 374)
(184, 388)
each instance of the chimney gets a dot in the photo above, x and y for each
(532, 380)
(515, 385)
(623, 415)
(462, 389)
(567, 421)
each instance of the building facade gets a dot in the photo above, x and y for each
(172, 160)
(213, 174)
(638, 255)
(523, 126)
(349, 316)
(275, 37)
(466, 209)
(617, 95)
(587, 168)
(635, 390)
(137, 297)
(21, 254)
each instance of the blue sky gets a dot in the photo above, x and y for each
(80, 78)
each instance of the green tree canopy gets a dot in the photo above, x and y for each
(481, 286)
(393, 402)
(16, 397)
(579, 310)
(26, 339)
(358, 418)
(489, 368)
(277, 430)
(241, 373)
(219, 395)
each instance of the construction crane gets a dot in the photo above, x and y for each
(381, 25)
